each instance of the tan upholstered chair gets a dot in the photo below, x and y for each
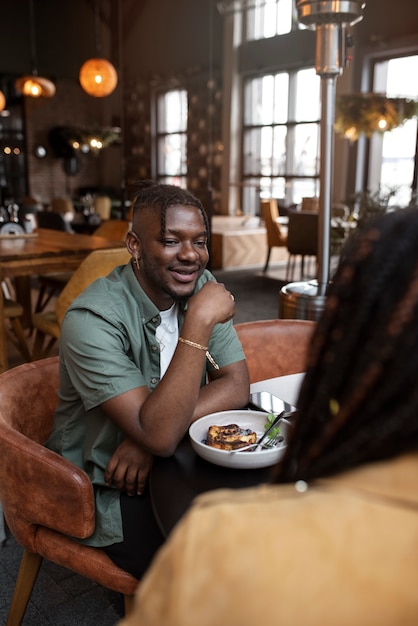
(275, 235)
(50, 285)
(48, 323)
(113, 229)
(275, 347)
(46, 499)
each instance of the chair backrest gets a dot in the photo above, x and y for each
(31, 476)
(270, 213)
(103, 206)
(275, 347)
(62, 205)
(310, 204)
(113, 229)
(97, 264)
(302, 233)
(28, 397)
(52, 220)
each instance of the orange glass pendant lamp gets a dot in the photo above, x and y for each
(35, 86)
(98, 77)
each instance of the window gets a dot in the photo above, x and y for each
(171, 163)
(393, 155)
(281, 137)
(268, 18)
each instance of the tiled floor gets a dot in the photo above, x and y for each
(61, 598)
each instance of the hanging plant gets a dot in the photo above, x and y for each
(368, 113)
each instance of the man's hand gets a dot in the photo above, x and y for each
(128, 468)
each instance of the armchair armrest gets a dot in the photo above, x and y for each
(30, 474)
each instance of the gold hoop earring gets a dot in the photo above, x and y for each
(136, 261)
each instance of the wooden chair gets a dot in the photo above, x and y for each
(48, 323)
(46, 499)
(275, 235)
(51, 284)
(13, 311)
(275, 347)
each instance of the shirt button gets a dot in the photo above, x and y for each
(154, 348)
(155, 320)
(154, 381)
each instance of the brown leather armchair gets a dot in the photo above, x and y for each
(275, 347)
(46, 499)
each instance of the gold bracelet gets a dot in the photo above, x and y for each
(193, 344)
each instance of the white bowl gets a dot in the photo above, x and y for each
(255, 420)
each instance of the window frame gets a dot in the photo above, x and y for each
(375, 172)
(162, 131)
(256, 185)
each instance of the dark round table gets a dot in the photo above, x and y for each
(175, 481)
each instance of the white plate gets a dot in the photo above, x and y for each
(254, 420)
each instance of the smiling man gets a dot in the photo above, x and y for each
(144, 352)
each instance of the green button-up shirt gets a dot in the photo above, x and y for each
(108, 347)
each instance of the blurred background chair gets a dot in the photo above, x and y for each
(310, 204)
(50, 285)
(64, 206)
(46, 499)
(48, 323)
(113, 229)
(302, 240)
(13, 311)
(275, 347)
(52, 220)
(275, 235)
(102, 206)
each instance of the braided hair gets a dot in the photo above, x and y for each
(359, 399)
(151, 194)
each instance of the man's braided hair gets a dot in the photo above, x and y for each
(359, 399)
(151, 194)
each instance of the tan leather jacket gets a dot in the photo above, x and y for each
(343, 553)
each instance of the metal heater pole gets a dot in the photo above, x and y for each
(306, 300)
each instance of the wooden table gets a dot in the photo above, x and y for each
(176, 480)
(44, 252)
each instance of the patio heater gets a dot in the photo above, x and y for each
(305, 300)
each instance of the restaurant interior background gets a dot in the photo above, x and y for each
(192, 77)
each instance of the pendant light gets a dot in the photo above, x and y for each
(2, 101)
(98, 76)
(34, 85)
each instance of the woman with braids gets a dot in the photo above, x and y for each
(144, 352)
(334, 539)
